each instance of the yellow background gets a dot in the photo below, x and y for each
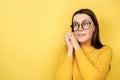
(32, 32)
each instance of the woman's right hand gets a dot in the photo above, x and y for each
(68, 43)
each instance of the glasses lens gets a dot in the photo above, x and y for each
(75, 26)
(85, 24)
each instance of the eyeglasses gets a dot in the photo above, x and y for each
(85, 25)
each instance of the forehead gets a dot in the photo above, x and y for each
(81, 17)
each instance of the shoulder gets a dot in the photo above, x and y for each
(107, 50)
(106, 47)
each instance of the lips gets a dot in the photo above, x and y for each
(81, 34)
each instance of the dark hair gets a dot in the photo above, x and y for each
(95, 42)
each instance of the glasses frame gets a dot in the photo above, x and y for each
(81, 25)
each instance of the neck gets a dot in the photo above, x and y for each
(84, 44)
(87, 43)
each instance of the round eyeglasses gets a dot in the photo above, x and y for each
(85, 25)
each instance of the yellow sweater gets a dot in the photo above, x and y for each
(88, 63)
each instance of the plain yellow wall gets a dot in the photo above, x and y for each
(32, 32)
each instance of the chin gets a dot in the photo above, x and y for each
(82, 40)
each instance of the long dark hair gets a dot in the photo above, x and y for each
(95, 42)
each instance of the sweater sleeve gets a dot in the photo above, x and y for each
(95, 71)
(65, 66)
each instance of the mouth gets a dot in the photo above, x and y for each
(81, 35)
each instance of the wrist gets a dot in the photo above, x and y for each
(77, 47)
(70, 52)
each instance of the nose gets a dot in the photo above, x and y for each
(80, 28)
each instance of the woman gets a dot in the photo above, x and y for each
(84, 58)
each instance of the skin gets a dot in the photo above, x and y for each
(84, 37)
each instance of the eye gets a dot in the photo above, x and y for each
(85, 23)
(75, 25)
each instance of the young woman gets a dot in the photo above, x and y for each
(84, 58)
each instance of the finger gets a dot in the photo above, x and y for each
(67, 35)
(71, 35)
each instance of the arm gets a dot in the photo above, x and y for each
(64, 71)
(96, 71)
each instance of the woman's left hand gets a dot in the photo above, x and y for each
(74, 42)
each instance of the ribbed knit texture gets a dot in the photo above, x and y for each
(88, 63)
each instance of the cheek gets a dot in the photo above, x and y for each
(90, 33)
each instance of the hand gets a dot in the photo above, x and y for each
(67, 39)
(74, 42)
(68, 43)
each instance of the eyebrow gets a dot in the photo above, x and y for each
(82, 21)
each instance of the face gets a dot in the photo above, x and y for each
(85, 29)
